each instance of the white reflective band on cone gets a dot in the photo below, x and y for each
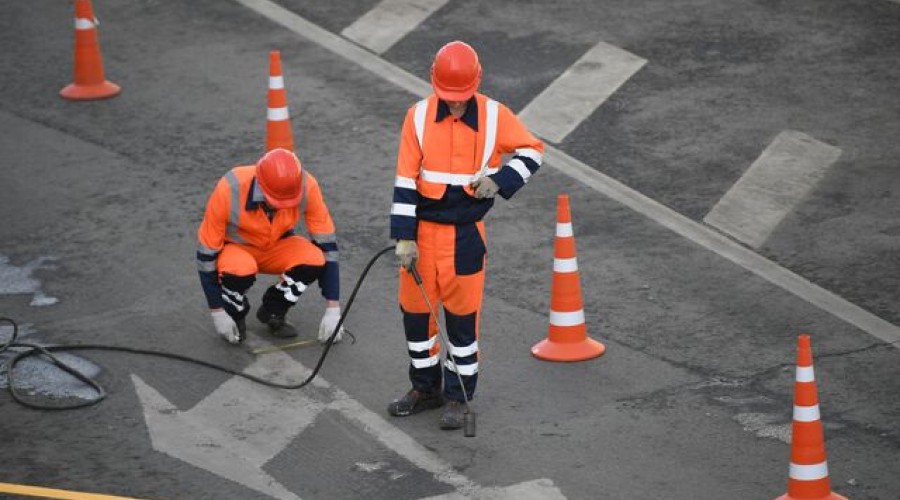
(567, 318)
(84, 24)
(424, 363)
(564, 230)
(277, 114)
(805, 374)
(806, 413)
(565, 265)
(276, 82)
(809, 472)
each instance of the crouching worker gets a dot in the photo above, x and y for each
(249, 228)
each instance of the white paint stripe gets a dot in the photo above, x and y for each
(405, 182)
(573, 318)
(565, 265)
(572, 97)
(806, 413)
(540, 489)
(605, 185)
(83, 24)
(564, 230)
(276, 82)
(788, 169)
(808, 472)
(277, 114)
(406, 209)
(805, 374)
(389, 21)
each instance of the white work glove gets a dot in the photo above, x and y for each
(484, 187)
(225, 326)
(408, 252)
(329, 321)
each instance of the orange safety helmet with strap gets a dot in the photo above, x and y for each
(456, 72)
(280, 176)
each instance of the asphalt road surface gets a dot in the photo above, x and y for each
(733, 172)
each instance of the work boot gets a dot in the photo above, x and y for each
(453, 415)
(413, 402)
(242, 329)
(278, 327)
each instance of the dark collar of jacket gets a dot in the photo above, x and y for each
(255, 197)
(470, 117)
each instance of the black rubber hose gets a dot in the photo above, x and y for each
(46, 351)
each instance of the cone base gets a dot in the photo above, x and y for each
(76, 92)
(568, 351)
(830, 496)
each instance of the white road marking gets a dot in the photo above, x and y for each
(241, 426)
(540, 489)
(788, 169)
(613, 189)
(581, 89)
(389, 21)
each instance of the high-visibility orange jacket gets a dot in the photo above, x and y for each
(236, 213)
(440, 155)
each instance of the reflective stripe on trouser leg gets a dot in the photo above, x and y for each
(234, 289)
(424, 352)
(461, 331)
(282, 295)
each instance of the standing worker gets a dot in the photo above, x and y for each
(249, 227)
(448, 171)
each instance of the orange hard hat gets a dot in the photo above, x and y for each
(456, 72)
(280, 178)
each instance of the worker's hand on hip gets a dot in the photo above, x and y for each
(329, 322)
(484, 187)
(407, 251)
(225, 326)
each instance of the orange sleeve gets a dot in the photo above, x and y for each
(527, 153)
(318, 219)
(211, 233)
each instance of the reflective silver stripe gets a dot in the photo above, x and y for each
(422, 346)
(276, 82)
(303, 204)
(536, 156)
(234, 214)
(565, 265)
(403, 209)
(419, 120)
(806, 413)
(405, 182)
(425, 363)
(206, 266)
(808, 472)
(324, 237)
(205, 250)
(468, 350)
(490, 134)
(84, 24)
(453, 179)
(238, 306)
(285, 287)
(331, 256)
(520, 168)
(237, 296)
(805, 374)
(573, 318)
(564, 230)
(277, 114)
(465, 370)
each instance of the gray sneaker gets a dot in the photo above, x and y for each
(453, 415)
(413, 402)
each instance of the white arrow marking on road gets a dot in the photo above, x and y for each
(788, 169)
(581, 89)
(238, 428)
(389, 21)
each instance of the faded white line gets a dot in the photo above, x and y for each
(581, 89)
(788, 169)
(615, 190)
(389, 21)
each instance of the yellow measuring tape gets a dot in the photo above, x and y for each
(35, 491)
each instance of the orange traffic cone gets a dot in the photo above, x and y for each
(808, 473)
(90, 82)
(567, 339)
(278, 118)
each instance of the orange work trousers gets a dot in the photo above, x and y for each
(451, 262)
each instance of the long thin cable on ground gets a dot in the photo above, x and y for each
(46, 352)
